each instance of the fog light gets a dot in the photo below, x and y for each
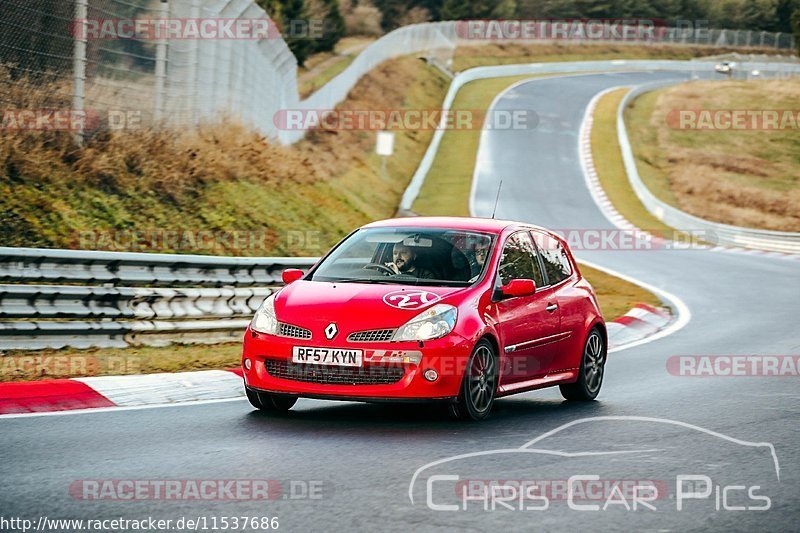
(431, 375)
(247, 364)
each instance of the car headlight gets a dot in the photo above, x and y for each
(265, 320)
(431, 324)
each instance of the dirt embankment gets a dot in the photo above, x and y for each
(220, 178)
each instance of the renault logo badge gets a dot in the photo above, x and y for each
(331, 331)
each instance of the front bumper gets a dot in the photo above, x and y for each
(448, 356)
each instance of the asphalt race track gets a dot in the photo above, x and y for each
(361, 459)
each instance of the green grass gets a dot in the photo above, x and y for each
(615, 296)
(610, 168)
(447, 186)
(644, 141)
(326, 75)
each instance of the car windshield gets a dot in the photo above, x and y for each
(408, 256)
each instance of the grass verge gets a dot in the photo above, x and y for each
(320, 68)
(616, 296)
(611, 170)
(71, 362)
(331, 70)
(447, 186)
(509, 53)
(733, 175)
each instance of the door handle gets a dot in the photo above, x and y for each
(550, 308)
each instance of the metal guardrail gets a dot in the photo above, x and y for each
(57, 298)
(723, 234)
(32, 265)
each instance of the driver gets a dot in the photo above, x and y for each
(405, 259)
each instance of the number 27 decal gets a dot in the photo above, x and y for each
(410, 299)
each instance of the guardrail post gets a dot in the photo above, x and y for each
(80, 29)
(193, 70)
(161, 64)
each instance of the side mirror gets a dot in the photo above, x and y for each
(290, 275)
(518, 287)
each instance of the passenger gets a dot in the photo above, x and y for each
(478, 257)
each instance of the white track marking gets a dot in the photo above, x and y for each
(117, 409)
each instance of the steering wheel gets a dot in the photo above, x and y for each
(381, 268)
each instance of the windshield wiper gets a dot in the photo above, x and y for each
(441, 282)
(379, 281)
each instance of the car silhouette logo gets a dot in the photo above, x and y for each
(331, 331)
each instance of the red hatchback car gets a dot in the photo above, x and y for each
(459, 310)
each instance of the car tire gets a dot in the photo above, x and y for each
(270, 402)
(478, 386)
(590, 377)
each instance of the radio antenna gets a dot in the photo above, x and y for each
(497, 199)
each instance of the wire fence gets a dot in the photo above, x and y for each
(96, 65)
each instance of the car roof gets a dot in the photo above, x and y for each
(488, 225)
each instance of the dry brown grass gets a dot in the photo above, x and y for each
(17, 365)
(510, 53)
(744, 177)
(219, 177)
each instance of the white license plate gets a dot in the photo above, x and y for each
(327, 356)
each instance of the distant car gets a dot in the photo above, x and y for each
(455, 310)
(726, 67)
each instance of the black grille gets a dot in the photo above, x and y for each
(335, 375)
(375, 335)
(295, 332)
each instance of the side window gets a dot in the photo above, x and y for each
(519, 260)
(554, 257)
